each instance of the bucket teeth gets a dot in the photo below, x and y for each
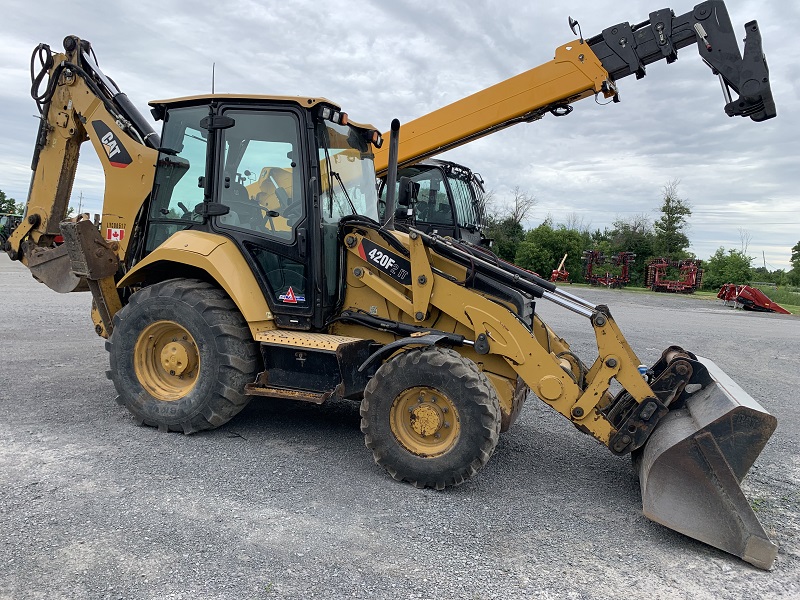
(692, 465)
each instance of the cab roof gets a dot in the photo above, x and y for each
(302, 101)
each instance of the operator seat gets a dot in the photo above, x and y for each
(242, 211)
(443, 215)
(422, 210)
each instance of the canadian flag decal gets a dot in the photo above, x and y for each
(115, 235)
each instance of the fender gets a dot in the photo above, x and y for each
(223, 262)
(389, 349)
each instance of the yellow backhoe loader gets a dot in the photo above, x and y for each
(240, 255)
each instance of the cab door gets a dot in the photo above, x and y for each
(260, 176)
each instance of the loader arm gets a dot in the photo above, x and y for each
(585, 68)
(693, 432)
(80, 103)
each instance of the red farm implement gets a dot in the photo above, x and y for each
(593, 259)
(749, 298)
(690, 275)
(560, 274)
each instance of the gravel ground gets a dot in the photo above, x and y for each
(286, 502)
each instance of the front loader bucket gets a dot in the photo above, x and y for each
(692, 464)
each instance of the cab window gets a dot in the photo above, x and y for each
(259, 178)
(462, 197)
(181, 162)
(432, 204)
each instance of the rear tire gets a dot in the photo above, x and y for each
(180, 355)
(430, 417)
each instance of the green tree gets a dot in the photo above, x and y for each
(543, 248)
(793, 276)
(795, 260)
(727, 266)
(670, 239)
(7, 205)
(507, 234)
(504, 225)
(634, 235)
(598, 237)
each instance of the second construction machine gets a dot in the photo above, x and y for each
(449, 200)
(240, 255)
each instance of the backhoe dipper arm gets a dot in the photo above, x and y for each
(586, 68)
(80, 103)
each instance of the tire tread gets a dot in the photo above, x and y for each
(238, 354)
(480, 391)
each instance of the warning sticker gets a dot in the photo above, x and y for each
(290, 297)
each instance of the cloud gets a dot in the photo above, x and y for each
(404, 58)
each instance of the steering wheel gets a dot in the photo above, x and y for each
(250, 212)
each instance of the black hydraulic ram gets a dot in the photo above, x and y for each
(507, 273)
(625, 50)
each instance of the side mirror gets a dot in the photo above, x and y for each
(409, 190)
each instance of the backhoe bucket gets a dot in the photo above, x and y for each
(692, 464)
(52, 267)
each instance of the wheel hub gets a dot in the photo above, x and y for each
(166, 360)
(425, 422)
(175, 357)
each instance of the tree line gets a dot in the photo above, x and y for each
(541, 249)
(9, 205)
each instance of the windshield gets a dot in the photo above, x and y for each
(465, 201)
(432, 205)
(348, 172)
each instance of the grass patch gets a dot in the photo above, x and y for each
(782, 296)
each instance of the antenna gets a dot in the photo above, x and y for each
(213, 66)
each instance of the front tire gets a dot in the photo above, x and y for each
(180, 356)
(430, 417)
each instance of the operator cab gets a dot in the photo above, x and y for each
(274, 175)
(449, 202)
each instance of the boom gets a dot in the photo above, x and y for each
(585, 68)
(80, 103)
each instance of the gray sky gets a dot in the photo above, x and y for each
(404, 58)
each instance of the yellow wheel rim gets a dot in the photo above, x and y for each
(166, 361)
(425, 421)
